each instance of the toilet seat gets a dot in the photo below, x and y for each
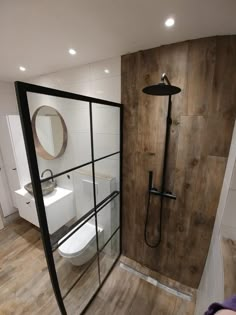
(79, 241)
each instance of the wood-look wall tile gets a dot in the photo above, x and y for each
(201, 129)
(174, 62)
(130, 95)
(223, 102)
(201, 67)
(219, 135)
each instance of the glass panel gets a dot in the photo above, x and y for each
(71, 199)
(108, 220)
(73, 257)
(62, 139)
(61, 132)
(83, 291)
(107, 177)
(106, 130)
(109, 254)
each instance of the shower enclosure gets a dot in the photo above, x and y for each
(88, 170)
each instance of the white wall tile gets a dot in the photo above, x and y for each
(108, 88)
(211, 287)
(81, 148)
(113, 65)
(105, 144)
(229, 217)
(86, 80)
(233, 179)
(225, 186)
(228, 231)
(106, 119)
(8, 103)
(65, 78)
(90, 80)
(109, 167)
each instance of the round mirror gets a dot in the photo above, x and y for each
(50, 132)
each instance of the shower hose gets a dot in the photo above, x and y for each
(157, 243)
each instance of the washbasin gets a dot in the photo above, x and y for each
(47, 187)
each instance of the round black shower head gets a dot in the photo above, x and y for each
(161, 89)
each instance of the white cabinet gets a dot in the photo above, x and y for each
(59, 207)
(26, 206)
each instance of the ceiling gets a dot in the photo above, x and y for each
(37, 34)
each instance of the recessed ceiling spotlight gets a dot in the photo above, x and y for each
(107, 71)
(22, 68)
(169, 22)
(72, 51)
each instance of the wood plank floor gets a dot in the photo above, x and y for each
(124, 293)
(25, 288)
(24, 281)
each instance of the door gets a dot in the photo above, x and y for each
(6, 203)
(8, 158)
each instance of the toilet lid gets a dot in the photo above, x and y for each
(78, 241)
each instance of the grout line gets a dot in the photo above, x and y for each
(156, 283)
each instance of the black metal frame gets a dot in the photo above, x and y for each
(21, 92)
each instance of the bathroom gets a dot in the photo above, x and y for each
(117, 157)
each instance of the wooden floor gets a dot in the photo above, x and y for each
(25, 286)
(124, 293)
(24, 282)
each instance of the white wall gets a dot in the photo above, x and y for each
(211, 287)
(228, 227)
(8, 103)
(90, 80)
(8, 106)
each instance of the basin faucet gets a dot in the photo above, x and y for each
(47, 170)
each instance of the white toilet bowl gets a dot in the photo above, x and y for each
(81, 246)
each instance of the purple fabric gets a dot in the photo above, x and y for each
(229, 304)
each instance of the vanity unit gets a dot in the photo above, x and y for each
(59, 207)
(51, 139)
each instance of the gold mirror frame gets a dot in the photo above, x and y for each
(38, 146)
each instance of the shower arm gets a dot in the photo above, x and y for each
(165, 78)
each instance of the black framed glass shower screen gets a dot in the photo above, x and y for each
(80, 219)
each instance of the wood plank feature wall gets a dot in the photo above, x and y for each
(203, 118)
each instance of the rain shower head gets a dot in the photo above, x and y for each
(162, 88)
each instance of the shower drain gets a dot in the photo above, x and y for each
(156, 283)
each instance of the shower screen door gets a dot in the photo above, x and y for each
(84, 208)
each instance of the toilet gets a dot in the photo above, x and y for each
(81, 246)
